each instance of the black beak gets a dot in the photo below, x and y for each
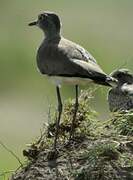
(33, 23)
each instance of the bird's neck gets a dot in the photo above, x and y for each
(52, 35)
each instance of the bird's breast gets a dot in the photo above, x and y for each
(45, 56)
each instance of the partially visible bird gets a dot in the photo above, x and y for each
(65, 61)
(120, 98)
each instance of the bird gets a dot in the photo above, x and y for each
(64, 61)
(120, 98)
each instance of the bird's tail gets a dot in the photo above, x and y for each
(104, 79)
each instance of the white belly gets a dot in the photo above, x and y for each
(58, 80)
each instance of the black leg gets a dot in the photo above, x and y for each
(59, 116)
(75, 112)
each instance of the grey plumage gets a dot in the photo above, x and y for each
(120, 98)
(65, 61)
(65, 58)
(58, 56)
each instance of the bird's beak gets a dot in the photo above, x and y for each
(33, 23)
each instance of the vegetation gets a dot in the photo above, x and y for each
(99, 150)
(103, 27)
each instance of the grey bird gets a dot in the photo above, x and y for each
(120, 98)
(65, 62)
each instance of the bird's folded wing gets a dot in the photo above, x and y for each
(90, 70)
(76, 51)
(89, 66)
(70, 60)
(76, 60)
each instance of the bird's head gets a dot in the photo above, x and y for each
(49, 22)
(123, 76)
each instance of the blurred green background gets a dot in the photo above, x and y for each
(103, 27)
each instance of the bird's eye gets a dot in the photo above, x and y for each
(41, 17)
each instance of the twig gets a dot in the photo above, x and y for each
(11, 152)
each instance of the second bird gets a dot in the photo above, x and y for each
(65, 61)
(120, 98)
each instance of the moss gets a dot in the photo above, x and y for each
(123, 123)
(100, 149)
